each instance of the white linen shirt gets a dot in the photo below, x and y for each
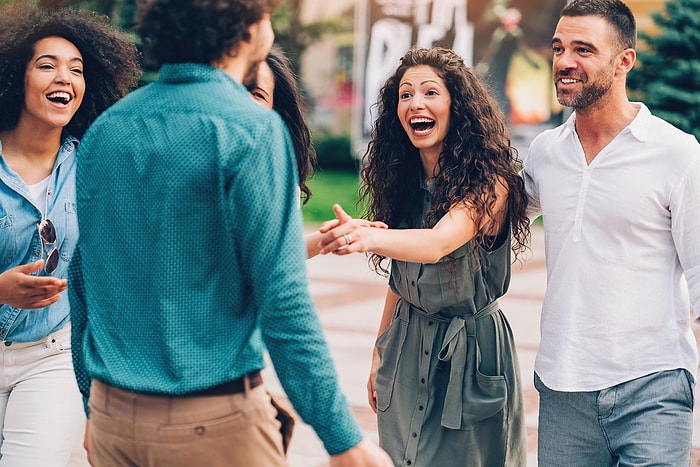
(620, 235)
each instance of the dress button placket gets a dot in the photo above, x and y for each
(419, 413)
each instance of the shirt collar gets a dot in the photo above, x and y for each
(638, 127)
(173, 73)
(68, 146)
(70, 142)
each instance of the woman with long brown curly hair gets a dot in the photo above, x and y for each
(60, 69)
(441, 172)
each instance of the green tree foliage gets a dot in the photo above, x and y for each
(666, 76)
(121, 12)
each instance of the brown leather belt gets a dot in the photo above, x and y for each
(237, 386)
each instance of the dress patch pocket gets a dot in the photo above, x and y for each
(389, 345)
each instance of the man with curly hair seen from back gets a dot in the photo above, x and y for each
(192, 263)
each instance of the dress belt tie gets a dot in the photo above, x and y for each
(454, 350)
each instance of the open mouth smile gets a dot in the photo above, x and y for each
(571, 77)
(421, 125)
(59, 97)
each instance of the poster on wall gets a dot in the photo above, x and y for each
(507, 42)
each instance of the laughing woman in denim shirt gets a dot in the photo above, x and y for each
(60, 69)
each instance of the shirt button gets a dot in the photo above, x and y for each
(420, 407)
(37, 253)
(408, 462)
(8, 343)
(414, 435)
(413, 283)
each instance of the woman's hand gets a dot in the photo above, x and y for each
(371, 391)
(345, 235)
(20, 289)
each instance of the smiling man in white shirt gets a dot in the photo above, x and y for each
(619, 193)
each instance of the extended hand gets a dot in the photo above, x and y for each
(20, 289)
(345, 235)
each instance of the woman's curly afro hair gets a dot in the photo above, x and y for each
(111, 64)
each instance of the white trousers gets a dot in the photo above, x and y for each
(41, 409)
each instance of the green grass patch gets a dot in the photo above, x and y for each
(329, 187)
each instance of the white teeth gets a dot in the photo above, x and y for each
(59, 95)
(421, 120)
(568, 81)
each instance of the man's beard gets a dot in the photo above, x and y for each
(589, 94)
(250, 79)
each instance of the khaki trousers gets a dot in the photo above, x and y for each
(131, 429)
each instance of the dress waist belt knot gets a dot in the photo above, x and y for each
(455, 351)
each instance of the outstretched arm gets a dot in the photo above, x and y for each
(347, 235)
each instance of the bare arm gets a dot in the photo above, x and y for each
(455, 229)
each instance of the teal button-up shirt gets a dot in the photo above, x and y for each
(191, 260)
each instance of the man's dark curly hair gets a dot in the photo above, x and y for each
(195, 31)
(476, 155)
(111, 65)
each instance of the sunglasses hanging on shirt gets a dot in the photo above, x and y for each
(47, 234)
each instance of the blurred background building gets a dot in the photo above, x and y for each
(507, 41)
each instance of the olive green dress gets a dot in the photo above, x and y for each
(448, 386)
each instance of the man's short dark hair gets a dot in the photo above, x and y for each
(196, 31)
(614, 11)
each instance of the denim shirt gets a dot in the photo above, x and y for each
(20, 242)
